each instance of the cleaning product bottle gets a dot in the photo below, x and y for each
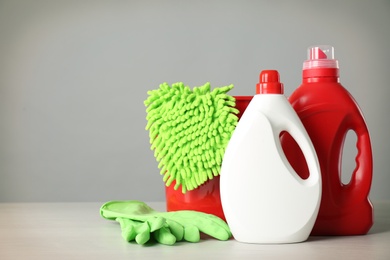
(264, 200)
(328, 112)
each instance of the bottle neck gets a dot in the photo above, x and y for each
(320, 75)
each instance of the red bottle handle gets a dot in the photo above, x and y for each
(360, 183)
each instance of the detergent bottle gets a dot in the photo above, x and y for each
(328, 112)
(264, 200)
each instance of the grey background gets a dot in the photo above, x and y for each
(74, 75)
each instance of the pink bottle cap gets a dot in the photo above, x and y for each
(321, 56)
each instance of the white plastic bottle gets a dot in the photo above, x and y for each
(264, 200)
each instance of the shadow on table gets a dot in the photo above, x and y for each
(380, 226)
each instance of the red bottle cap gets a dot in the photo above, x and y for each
(269, 83)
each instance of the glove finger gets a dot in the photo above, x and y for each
(128, 229)
(164, 236)
(207, 223)
(211, 225)
(191, 234)
(176, 229)
(156, 223)
(218, 221)
(143, 233)
(215, 227)
(216, 231)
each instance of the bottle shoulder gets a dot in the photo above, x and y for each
(276, 108)
(271, 105)
(325, 95)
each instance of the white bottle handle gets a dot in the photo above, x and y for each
(299, 134)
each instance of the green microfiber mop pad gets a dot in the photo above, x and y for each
(189, 131)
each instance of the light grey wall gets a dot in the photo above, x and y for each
(74, 75)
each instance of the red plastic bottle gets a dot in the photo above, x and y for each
(328, 112)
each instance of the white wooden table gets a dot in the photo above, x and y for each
(76, 231)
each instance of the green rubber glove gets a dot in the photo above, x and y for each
(140, 231)
(138, 220)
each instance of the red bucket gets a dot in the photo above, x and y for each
(206, 198)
